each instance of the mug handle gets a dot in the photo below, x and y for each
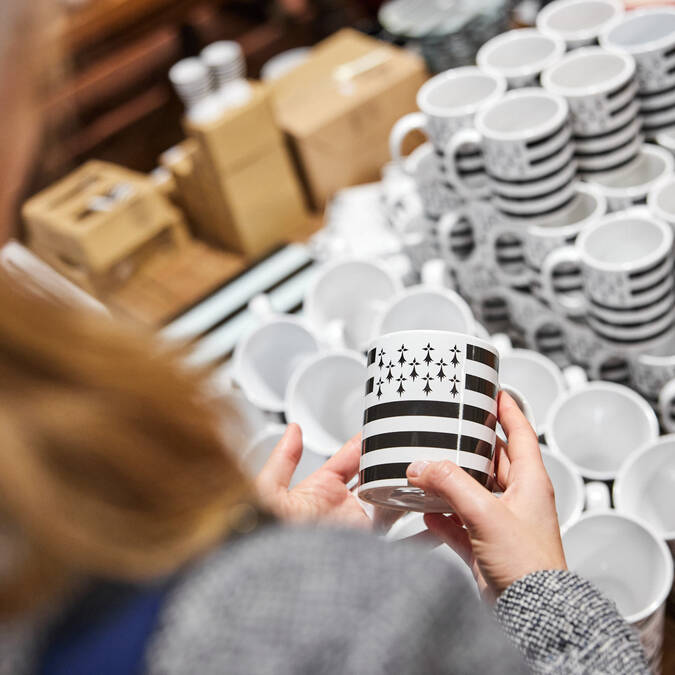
(261, 307)
(446, 224)
(665, 401)
(460, 138)
(415, 121)
(596, 496)
(434, 273)
(567, 304)
(575, 377)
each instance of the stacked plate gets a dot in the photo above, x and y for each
(225, 61)
(648, 35)
(601, 90)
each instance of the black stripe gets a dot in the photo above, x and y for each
(618, 111)
(632, 309)
(369, 385)
(398, 470)
(660, 92)
(409, 439)
(533, 198)
(651, 128)
(406, 408)
(584, 155)
(621, 88)
(670, 70)
(669, 53)
(634, 341)
(611, 168)
(604, 134)
(635, 324)
(544, 139)
(476, 446)
(296, 308)
(480, 354)
(471, 172)
(510, 214)
(649, 270)
(482, 386)
(550, 156)
(527, 181)
(651, 287)
(371, 356)
(655, 111)
(472, 413)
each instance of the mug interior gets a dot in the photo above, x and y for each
(589, 69)
(516, 51)
(646, 487)
(641, 29)
(665, 198)
(584, 205)
(624, 240)
(568, 488)
(448, 94)
(622, 559)
(521, 115)
(580, 16)
(647, 168)
(598, 426)
(268, 359)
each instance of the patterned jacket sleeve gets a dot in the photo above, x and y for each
(562, 624)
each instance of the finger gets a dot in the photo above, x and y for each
(450, 532)
(345, 462)
(522, 443)
(282, 463)
(502, 464)
(470, 500)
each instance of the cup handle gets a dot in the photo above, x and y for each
(502, 343)
(575, 377)
(522, 403)
(596, 496)
(260, 306)
(446, 224)
(334, 334)
(665, 401)
(462, 137)
(567, 304)
(434, 273)
(407, 124)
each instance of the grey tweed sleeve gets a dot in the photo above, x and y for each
(562, 624)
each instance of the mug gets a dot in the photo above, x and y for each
(597, 426)
(344, 298)
(661, 199)
(448, 103)
(324, 397)
(654, 367)
(430, 395)
(578, 22)
(520, 55)
(631, 185)
(625, 559)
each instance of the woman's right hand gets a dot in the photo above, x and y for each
(502, 539)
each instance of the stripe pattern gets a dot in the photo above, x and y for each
(428, 399)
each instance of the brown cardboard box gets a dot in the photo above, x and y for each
(242, 170)
(339, 107)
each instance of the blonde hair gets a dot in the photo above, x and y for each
(112, 461)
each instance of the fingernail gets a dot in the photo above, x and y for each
(417, 468)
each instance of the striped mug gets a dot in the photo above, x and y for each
(430, 395)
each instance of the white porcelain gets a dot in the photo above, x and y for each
(609, 162)
(437, 195)
(344, 300)
(645, 487)
(647, 35)
(225, 61)
(541, 186)
(621, 255)
(259, 450)
(447, 103)
(626, 560)
(666, 139)
(597, 427)
(596, 84)
(612, 139)
(324, 397)
(638, 332)
(536, 206)
(426, 308)
(661, 198)
(665, 406)
(265, 359)
(520, 55)
(578, 22)
(191, 79)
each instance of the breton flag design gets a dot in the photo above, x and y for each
(428, 401)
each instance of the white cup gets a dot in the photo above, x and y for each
(448, 102)
(578, 22)
(266, 357)
(426, 308)
(661, 198)
(626, 560)
(598, 425)
(653, 368)
(325, 398)
(260, 449)
(345, 298)
(520, 55)
(191, 80)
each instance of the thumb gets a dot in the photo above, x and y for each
(466, 497)
(282, 463)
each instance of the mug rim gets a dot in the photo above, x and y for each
(623, 476)
(465, 337)
(643, 47)
(654, 193)
(556, 120)
(531, 68)
(581, 34)
(589, 89)
(599, 385)
(634, 213)
(578, 484)
(467, 108)
(661, 545)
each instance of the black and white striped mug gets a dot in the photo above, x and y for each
(430, 395)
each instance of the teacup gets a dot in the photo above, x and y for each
(598, 426)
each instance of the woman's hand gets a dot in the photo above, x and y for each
(323, 496)
(504, 538)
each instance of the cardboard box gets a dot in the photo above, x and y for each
(244, 176)
(339, 107)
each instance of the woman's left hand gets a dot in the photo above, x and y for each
(322, 496)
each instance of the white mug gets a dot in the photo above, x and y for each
(578, 22)
(654, 367)
(661, 199)
(448, 103)
(520, 55)
(345, 297)
(597, 426)
(626, 560)
(324, 397)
